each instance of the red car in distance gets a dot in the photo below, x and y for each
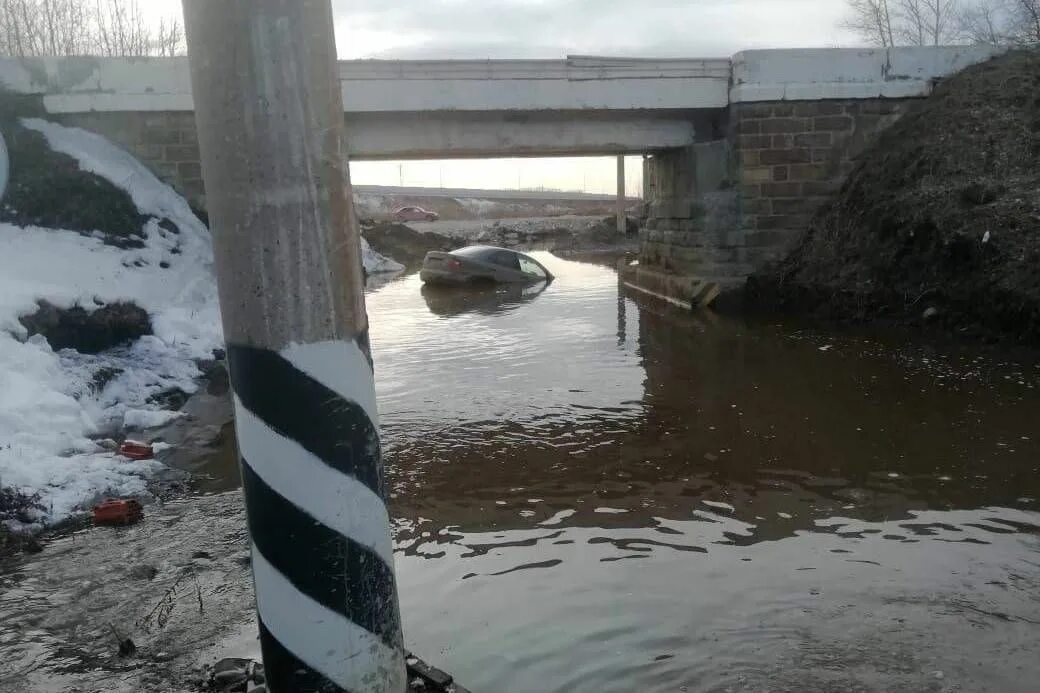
(414, 214)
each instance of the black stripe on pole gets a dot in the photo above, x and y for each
(300, 408)
(365, 346)
(333, 570)
(285, 671)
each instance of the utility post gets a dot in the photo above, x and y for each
(622, 223)
(271, 133)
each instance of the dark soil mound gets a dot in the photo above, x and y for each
(405, 244)
(49, 189)
(940, 218)
(88, 333)
(631, 224)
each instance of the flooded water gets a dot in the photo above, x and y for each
(596, 493)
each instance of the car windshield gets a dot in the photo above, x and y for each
(529, 266)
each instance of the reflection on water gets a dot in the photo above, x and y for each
(598, 494)
(487, 298)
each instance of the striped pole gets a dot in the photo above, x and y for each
(270, 120)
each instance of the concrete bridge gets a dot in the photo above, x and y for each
(739, 151)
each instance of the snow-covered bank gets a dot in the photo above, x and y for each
(53, 404)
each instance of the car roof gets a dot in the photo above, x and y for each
(481, 250)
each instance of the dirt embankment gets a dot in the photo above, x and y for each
(404, 244)
(940, 220)
(469, 205)
(409, 246)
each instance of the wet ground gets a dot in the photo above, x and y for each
(597, 493)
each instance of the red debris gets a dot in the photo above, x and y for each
(118, 512)
(136, 451)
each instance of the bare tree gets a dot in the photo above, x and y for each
(1001, 22)
(926, 22)
(872, 20)
(121, 29)
(904, 22)
(43, 27)
(169, 38)
(985, 22)
(1026, 18)
(84, 27)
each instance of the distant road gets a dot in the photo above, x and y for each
(485, 194)
(471, 229)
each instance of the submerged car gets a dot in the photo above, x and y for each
(482, 299)
(478, 264)
(414, 214)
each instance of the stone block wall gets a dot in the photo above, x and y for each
(723, 209)
(165, 141)
(692, 211)
(791, 157)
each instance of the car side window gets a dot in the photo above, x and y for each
(504, 258)
(529, 266)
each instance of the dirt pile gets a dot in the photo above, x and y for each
(405, 244)
(88, 332)
(940, 219)
(48, 189)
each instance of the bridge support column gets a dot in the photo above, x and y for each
(622, 223)
(693, 215)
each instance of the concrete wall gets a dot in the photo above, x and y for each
(796, 122)
(725, 208)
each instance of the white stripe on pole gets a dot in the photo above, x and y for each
(329, 643)
(337, 500)
(340, 366)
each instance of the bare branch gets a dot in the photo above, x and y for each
(872, 20)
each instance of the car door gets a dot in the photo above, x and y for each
(507, 266)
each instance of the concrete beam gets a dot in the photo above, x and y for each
(534, 85)
(74, 85)
(833, 73)
(481, 135)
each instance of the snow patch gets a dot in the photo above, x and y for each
(51, 403)
(375, 263)
(149, 418)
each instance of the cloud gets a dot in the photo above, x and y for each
(554, 28)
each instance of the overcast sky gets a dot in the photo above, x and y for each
(554, 29)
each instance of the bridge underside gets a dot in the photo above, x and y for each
(476, 134)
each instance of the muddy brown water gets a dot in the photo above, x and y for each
(593, 492)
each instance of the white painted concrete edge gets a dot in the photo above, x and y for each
(70, 85)
(826, 73)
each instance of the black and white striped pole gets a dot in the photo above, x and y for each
(270, 120)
